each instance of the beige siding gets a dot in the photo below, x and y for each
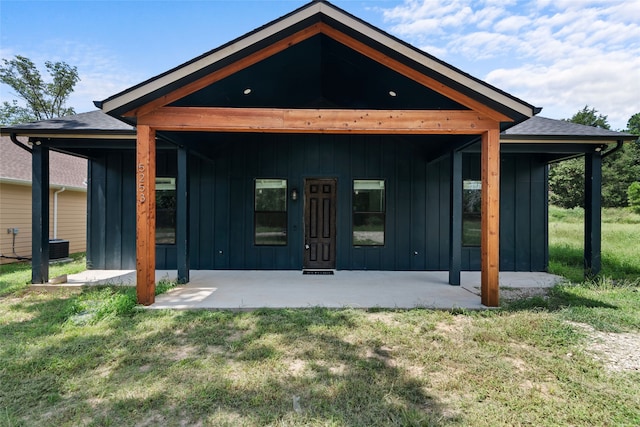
(72, 219)
(15, 212)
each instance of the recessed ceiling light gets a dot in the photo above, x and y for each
(392, 93)
(247, 91)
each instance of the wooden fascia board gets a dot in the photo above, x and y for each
(224, 72)
(413, 74)
(420, 57)
(273, 120)
(157, 83)
(338, 36)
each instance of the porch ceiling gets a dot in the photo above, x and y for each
(319, 73)
(214, 144)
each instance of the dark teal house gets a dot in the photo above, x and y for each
(316, 142)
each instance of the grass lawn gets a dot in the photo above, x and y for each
(620, 243)
(96, 359)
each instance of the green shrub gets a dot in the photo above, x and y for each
(633, 194)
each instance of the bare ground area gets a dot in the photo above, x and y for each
(618, 351)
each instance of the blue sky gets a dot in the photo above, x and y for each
(556, 54)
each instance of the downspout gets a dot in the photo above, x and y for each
(618, 146)
(55, 212)
(15, 256)
(12, 135)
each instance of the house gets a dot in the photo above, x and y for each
(67, 195)
(319, 142)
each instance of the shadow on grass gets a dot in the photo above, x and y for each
(569, 262)
(557, 298)
(197, 367)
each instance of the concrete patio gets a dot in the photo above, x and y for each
(244, 290)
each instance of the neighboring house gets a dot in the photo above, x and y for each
(68, 185)
(320, 142)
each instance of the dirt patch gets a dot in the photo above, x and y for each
(511, 294)
(617, 351)
(180, 353)
(385, 318)
(383, 354)
(297, 367)
(454, 329)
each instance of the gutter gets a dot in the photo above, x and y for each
(619, 144)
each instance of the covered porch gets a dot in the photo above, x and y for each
(252, 289)
(317, 97)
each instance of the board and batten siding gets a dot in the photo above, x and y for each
(15, 212)
(221, 203)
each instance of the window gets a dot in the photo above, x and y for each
(165, 211)
(270, 226)
(471, 192)
(368, 212)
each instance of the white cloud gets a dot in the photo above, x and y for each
(558, 54)
(511, 24)
(101, 74)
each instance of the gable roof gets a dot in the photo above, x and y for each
(324, 16)
(64, 170)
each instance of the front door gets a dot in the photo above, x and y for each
(320, 223)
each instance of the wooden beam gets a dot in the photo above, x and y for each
(490, 223)
(222, 119)
(301, 36)
(233, 68)
(413, 74)
(146, 215)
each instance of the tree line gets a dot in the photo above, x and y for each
(620, 170)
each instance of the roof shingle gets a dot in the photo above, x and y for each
(64, 170)
(544, 127)
(91, 122)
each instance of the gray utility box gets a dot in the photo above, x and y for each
(58, 248)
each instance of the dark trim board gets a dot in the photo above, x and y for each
(221, 204)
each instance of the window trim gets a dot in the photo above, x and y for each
(173, 181)
(475, 183)
(285, 211)
(382, 212)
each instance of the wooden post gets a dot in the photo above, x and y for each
(182, 215)
(592, 213)
(455, 226)
(146, 215)
(490, 231)
(40, 214)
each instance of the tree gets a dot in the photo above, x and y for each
(590, 117)
(44, 100)
(634, 196)
(619, 170)
(633, 127)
